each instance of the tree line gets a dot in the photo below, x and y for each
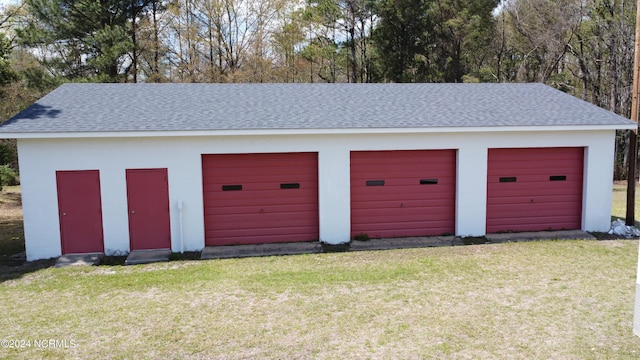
(583, 47)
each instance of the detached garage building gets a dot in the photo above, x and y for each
(119, 167)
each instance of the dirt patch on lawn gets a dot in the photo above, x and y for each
(10, 203)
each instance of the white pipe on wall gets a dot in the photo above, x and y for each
(180, 207)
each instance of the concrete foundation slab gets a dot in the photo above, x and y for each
(403, 243)
(147, 256)
(89, 259)
(540, 235)
(237, 251)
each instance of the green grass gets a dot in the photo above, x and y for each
(548, 299)
(619, 201)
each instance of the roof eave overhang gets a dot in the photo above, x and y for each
(272, 132)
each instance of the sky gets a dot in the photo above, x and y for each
(7, 2)
(4, 2)
(496, 11)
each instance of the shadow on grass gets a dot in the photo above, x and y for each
(113, 260)
(14, 271)
(12, 251)
(12, 198)
(11, 237)
(13, 264)
(186, 256)
(14, 267)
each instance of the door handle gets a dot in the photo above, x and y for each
(133, 211)
(64, 214)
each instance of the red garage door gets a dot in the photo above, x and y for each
(403, 193)
(80, 211)
(260, 198)
(534, 189)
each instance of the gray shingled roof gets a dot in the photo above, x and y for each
(193, 107)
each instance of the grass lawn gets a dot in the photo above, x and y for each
(548, 299)
(619, 201)
(11, 231)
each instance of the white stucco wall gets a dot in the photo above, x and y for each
(41, 158)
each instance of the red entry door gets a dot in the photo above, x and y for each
(148, 205)
(80, 211)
